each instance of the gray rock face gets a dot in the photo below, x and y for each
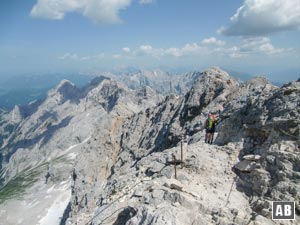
(268, 126)
(105, 153)
(143, 152)
(213, 84)
(40, 143)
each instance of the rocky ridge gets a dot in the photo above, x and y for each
(41, 141)
(145, 143)
(121, 171)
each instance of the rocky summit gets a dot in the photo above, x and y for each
(109, 154)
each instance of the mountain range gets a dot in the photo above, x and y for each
(21, 90)
(130, 150)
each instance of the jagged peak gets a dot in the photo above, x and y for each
(16, 109)
(210, 85)
(16, 115)
(97, 80)
(214, 77)
(112, 83)
(147, 88)
(105, 88)
(146, 91)
(95, 83)
(153, 71)
(63, 84)
(64, 91)
(259, 80)
(216, 71)
(293, 84)
(66, 88)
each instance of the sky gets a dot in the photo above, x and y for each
(257, 37)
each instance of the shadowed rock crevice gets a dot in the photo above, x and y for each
(125, 215)
(66, 214)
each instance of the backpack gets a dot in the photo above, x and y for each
(211, 121)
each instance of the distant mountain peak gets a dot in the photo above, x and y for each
(97, 80)
(64, 91)
(259, 80)
(65, 86)
(216, 71)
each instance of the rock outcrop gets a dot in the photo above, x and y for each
(268, 127)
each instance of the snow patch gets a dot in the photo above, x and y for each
(2, 212)
(72, 155)
(56, 211)
(50, 190)
(73, 146)
(20, 221)
(33, 203)
(64, 185)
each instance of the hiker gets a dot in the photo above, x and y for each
(210, 126)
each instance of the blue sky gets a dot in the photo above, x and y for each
(89, 36)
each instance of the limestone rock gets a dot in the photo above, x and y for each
(252, 157)
(245, 166)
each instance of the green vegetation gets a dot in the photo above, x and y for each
(18, 185)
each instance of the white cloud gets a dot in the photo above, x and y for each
(254, 46)
(68, 56)
(117, 56)
(186, 50)
(213, 40)
(144, 2)
(250, 47)
(126, 49)
(174, 52)
(146, 48)
(247, 47)
(192, 48)
(260, 17)
(100, 11)
(54, 9)
(259, 45)
(234, 52)
(92, 57)
(208, 48)
(74, 56)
